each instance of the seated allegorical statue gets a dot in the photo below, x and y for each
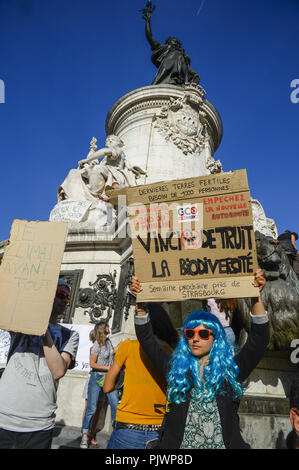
(82, 196)
(92, 178)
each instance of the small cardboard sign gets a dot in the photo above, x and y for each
(70, 211)
(193, 238)
(29, 274)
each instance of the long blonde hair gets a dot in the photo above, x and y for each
(99, 333)
(92, 336)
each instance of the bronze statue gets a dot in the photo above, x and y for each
(172, 62)
(280, 295)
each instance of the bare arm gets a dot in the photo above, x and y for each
(111, 378)
(93, 363)
(57, 363)
(135, 288)
(257, 306)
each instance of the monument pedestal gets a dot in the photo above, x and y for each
(264, 409)
(170, 131)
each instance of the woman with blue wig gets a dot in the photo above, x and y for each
(204, 377)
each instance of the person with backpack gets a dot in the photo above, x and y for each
(28, 386)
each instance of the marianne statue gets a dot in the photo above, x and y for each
(172, 62)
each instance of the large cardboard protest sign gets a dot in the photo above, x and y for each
(193, 238)
(28, 275)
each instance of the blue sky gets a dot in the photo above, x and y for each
(65, 62)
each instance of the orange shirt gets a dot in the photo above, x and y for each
(144, 386)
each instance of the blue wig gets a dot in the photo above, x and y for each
(184, 371)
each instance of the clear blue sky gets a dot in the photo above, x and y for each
(65, 62)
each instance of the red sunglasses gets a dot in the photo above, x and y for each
(63, 295)
(204, 333)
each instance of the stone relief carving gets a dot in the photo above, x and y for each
(213, 166)
(179, 123)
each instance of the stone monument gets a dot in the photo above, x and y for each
(82, 195)
(164, 131)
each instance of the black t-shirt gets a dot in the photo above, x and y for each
(285, 240)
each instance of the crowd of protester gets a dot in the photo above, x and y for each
(180, 391)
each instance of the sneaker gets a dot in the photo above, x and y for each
(84, 443)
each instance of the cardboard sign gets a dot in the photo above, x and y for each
(70, 211)
(194, 238)
(28, 275)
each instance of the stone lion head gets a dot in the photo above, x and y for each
(271, 257)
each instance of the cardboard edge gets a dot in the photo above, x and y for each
(245, 290)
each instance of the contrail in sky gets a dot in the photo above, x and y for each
(200, 8)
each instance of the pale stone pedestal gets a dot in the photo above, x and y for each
(172, 132)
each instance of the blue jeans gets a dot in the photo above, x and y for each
(94, 391)
(113, 402)
(130, 438)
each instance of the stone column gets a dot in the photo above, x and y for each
(172, 132)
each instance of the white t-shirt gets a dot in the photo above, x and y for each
(28, 392)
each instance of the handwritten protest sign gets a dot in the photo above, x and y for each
(193, 238)
(28, 275)
(70, 210)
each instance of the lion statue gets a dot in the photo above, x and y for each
(280, 297)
